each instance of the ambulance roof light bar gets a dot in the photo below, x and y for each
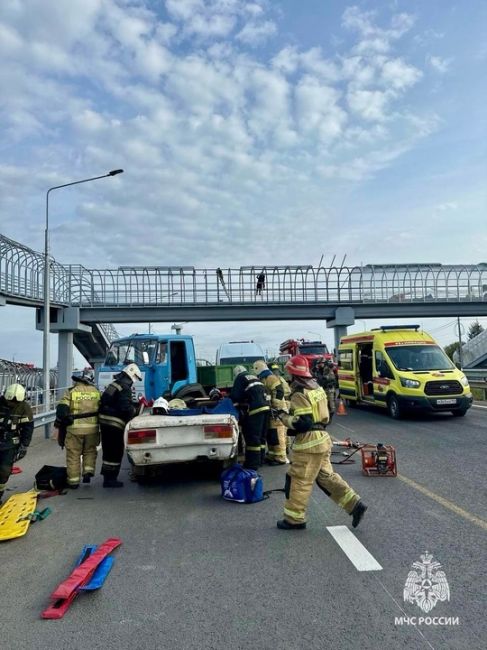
(386, 328)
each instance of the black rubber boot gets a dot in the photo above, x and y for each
(112, 483)
(72, 487)
(286, 525)
(87, 477)
(358, 513)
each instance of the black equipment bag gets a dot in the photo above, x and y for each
(51, 478)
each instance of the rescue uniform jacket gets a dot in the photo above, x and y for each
(116, 406)
(77, 400)
(308, 418)
(248, 389)
(275, 391)
(16, 423)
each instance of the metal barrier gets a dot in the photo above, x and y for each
(477, 378)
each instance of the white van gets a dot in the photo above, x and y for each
(239, 352)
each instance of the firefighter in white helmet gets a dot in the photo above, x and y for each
(311, 451)
(116, 409)
(276, 431)
(16, 427)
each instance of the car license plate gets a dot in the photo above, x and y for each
(446, 401)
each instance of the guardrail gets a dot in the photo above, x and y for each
(44, 420)
(477, 378)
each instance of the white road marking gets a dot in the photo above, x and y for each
(475, 406)
(353, 549)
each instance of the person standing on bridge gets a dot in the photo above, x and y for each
(77, 423)
(260, 283)
(116, 409)
(16, 427)
(311, 451)
(249, 393)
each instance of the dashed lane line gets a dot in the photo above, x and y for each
(356, 552)
(481, 523)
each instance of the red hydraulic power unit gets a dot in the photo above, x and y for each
(378, 460)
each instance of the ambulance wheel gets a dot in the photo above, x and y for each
(460, 413)
(394, 408)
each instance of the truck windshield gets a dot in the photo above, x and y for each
(126, 352)
(313, 349)
(419, 357)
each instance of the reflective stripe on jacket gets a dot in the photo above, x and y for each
(82, 398)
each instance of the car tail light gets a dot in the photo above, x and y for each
(140, 436)
(218, 431)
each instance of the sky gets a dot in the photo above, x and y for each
(250, 133)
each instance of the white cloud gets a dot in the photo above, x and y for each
(255, 34)
(439, 64)
(368, 104)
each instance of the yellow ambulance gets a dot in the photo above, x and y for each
(402, 369)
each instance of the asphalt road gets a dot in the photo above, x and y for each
(195, 571)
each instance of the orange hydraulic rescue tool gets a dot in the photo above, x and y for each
(377, 460)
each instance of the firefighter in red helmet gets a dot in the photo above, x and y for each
(307, 421)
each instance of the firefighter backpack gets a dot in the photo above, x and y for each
(242, 485)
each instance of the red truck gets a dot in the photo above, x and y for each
(310, 349)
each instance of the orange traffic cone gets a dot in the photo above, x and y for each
(341, 408)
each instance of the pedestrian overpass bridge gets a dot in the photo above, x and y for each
(86, 303)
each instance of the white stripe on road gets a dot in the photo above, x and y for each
(475, 406)
(353, 549)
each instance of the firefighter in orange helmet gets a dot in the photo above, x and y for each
(311, 451)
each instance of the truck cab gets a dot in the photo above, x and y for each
(167, 363)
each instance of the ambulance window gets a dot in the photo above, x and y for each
(382, 367)
(345, 359)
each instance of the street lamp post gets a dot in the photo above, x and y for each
(47, 297)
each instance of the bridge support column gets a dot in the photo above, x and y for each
(65, 359)
(344, 316)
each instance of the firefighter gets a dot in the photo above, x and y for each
(311, 451)
(249, 393)
(276, 431)
(77, 411)
(325, 376)
(116, 409)
(16, 427)
(276, 369)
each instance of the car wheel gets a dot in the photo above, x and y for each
(394, 408)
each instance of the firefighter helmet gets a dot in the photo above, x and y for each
(15, 392)
(259, 366)
(133, 371)
(160, 406)
(239, 369)
(298, 366)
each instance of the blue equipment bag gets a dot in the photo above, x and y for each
(242, 485)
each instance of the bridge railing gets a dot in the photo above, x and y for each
(21, 273)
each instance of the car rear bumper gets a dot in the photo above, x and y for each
(153, 455)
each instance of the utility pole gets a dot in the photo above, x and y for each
(460, 351)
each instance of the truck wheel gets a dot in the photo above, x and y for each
(394, 408)
(460, 413)
(191, 390)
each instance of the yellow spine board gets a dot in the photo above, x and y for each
(13, 511)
